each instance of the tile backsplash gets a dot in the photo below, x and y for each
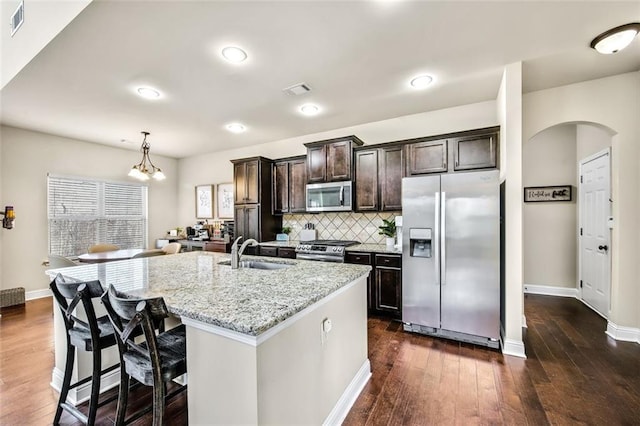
(362, 227)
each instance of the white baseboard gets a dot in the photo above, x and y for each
(83, 393)
(349, 396)
(513, 348)
(37, 294)
(622, 333)
(549, 290)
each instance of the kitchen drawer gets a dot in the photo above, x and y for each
(358, 258)
(288, 252)
(269, 251)
(388, 260)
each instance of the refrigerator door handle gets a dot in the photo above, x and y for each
(443, 240)
(436, 239)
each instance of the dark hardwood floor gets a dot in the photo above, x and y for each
(574, 374)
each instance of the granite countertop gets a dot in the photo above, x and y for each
(291, 243)
(195, 285)
(375, 248)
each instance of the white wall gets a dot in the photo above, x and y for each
(549, 228)
(216, 168)
(591, 140)
(43, 20)
(612, 102)
(26, 158)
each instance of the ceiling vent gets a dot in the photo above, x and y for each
(297, 89)
(17, 18)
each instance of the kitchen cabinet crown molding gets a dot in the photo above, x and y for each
(354, 139)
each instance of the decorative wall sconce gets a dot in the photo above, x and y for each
(142, 170)
(9, 217)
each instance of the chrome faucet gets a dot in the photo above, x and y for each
(236, 254)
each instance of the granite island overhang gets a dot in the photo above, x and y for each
(259, 348)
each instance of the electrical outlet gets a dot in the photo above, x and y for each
(326, 325)
(325, 328)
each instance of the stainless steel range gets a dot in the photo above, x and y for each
(323, 250)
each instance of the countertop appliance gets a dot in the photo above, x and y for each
(329, 197)
(323, 250)
(451, 256)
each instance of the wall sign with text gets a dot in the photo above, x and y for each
(547, 193)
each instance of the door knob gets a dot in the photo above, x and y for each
(605, 248)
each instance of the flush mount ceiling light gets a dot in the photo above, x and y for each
(421, 81)
(615, 39)
(310, 109)
(236, 127)
(234, 54)
(148, 92)
(145, 168)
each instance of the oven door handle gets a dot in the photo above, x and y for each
(320, 257)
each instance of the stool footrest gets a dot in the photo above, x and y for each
(88, 378)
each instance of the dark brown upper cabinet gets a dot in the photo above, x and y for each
(252, 182)
(475, 152)
(330, 160)
(280, 187)
(378, 178)
(289, 183)
(366, 180)
(298, 185)
(426, 157)
(246, 181)
(391, 166)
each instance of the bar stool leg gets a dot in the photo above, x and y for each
(159, 392)
(66, 381)
(123, 395)
(95, 387)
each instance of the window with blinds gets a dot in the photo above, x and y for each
(83, 212)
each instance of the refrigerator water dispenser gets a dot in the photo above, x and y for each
(420, 242)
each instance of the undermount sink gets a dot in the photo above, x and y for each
(255, 264)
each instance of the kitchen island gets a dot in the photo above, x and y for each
(285, 346)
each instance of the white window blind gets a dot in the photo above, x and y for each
(83, 212)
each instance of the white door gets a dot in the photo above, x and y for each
(595, 246)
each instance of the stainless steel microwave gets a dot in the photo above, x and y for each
(329, 197)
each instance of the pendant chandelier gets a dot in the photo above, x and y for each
(145, 168)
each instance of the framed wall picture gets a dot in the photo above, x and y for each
(225, 200)
(204, 201)
(547, 193)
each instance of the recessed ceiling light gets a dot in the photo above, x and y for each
(148, 93)
(421, 81)
(236, 127)
(234, 54)
(310, 109)
(616, 39)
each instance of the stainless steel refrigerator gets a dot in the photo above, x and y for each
(451, 256)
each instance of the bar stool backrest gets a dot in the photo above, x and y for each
(71, 295)
(129, 315)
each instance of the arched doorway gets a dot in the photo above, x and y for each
(552, 242)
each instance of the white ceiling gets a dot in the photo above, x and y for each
(357, 56)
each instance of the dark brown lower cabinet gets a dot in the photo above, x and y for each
(288, 252)
(363, 259)
(384, 284)
(389, 290)
(269, 251)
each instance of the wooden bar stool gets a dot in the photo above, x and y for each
(153, 362)
(91, 335)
